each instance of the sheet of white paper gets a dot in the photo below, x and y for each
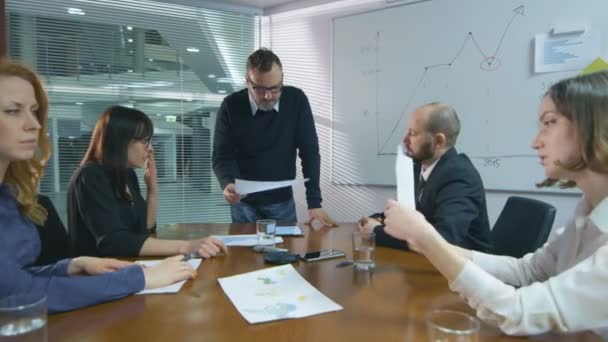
(173, 288)
(243, 240)
(244, 187)
(275, 293)
(404, 168)
(566, 51)
(288, 230)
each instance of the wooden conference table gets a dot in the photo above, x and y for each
(387, 305)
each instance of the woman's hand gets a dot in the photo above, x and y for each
(167, 272)
(150, 174)
(410, 225)
(367, 224)
(407, 224)
(206, 248)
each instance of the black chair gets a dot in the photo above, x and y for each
(522, 227)
(53, 236)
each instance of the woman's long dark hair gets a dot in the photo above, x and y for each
(116, 128)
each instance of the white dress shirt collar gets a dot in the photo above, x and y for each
(254, 106)
(426, 173)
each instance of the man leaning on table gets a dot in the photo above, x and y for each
(257, 133)
(449, 191)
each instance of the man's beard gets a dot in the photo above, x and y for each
(427, 151)
(267, 105)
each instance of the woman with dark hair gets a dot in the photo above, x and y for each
(562, 286)
(24, 149)
(107, 214)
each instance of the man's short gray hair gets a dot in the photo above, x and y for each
(443, 119)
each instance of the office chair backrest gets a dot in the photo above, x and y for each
(53, 236)
(522, 227)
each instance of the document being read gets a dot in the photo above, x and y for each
(244, 187)
(404, 169)
(173, 288)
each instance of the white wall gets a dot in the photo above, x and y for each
(302, 39)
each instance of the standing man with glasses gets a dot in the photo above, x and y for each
(258, 132)
(449, 191)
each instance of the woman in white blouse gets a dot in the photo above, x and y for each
(563, 286)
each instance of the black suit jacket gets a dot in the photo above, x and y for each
(454, 202)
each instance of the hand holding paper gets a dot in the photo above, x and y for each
(168, 275)
(231, 195)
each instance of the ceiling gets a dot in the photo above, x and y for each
(263, 4)
(258, 5)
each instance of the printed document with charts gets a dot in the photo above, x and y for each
(275, 293)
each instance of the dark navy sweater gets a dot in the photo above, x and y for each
(263, 147)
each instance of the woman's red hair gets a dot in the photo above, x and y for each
(25, 175)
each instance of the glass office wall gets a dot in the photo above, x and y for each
(175, 63)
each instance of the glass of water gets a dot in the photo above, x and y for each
(364, 250)
(266, 230)
(23, 318)
(451, 326)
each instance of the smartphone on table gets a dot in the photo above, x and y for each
(322, 255)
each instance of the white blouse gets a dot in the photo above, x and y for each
(561, 287)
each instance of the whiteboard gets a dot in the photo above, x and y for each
(476, 55)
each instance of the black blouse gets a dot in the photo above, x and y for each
(99, 222)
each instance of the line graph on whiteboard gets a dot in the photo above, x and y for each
(489, 61)
(479, 59)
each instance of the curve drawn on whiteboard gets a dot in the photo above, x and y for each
(489, 62)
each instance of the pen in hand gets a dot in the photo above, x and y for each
(196, 255)
(191, 256)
